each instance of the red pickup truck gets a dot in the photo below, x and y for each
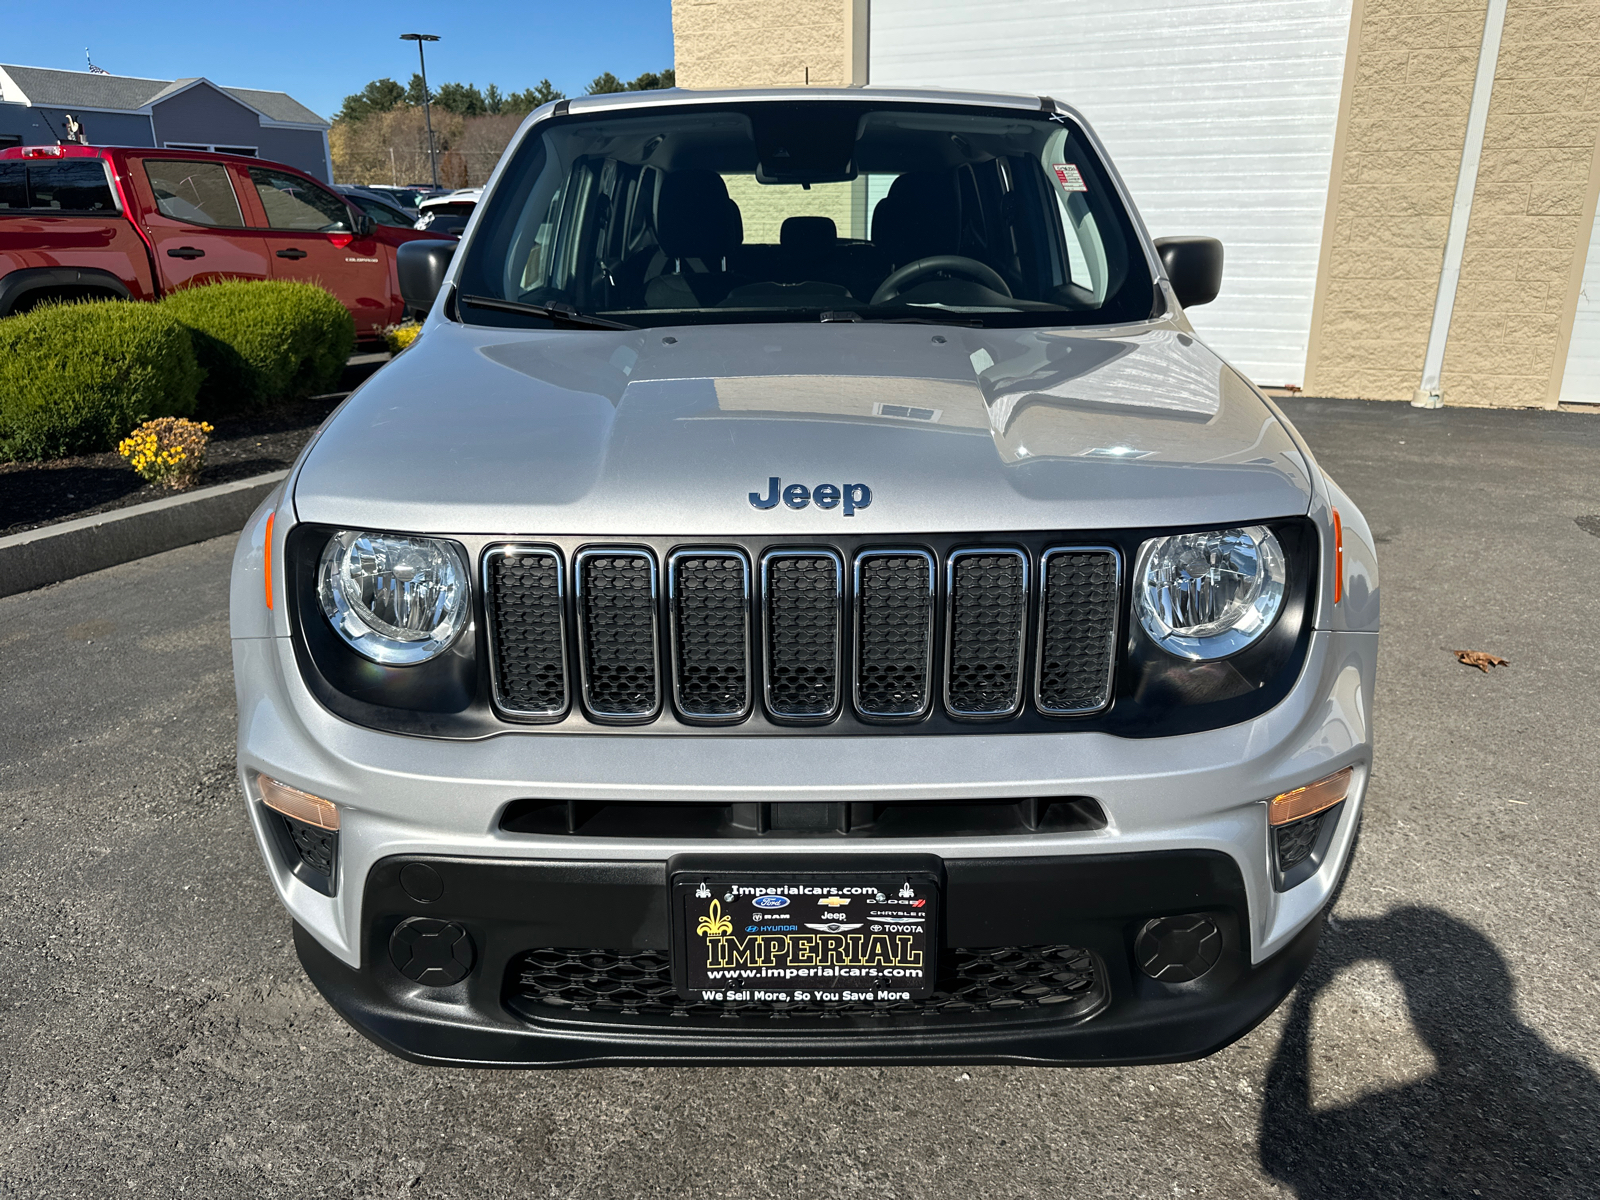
(136, 223)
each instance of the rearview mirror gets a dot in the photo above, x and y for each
(1193, 266)
(421, 266)
(361, 224)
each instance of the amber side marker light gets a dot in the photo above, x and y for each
(302, 806)
(1311, 799)
(266, 569)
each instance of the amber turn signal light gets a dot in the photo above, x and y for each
(302, 806)
(1311, 799)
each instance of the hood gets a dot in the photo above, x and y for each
(669, 432)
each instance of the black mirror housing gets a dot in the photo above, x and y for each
(421, 265)
(1193, 266)
(361, 224)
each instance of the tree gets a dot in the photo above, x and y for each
(381, 95)
(606, 83)
(462, 98)
(531, 98)
(493, 102)
(650, 81)
(415, 93)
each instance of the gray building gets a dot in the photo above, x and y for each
(189, 114)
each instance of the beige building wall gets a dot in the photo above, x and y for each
(1528, 235)
(770, 43)
(1403, 122)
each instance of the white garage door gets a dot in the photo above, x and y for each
(1581, 383)
(1220, 116)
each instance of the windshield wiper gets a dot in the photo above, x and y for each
(970, 322)
(563, 314)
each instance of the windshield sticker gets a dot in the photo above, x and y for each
(1068, 177)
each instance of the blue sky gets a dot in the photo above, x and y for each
(320, 52)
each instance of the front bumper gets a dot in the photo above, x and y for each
(1184, 799)
(1094, 902)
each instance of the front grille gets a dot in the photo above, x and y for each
(1077, 639)
(1060, 981)
(525, 611)
(801, 595)
(988, 632)
(902, 632)
(617, 618)
(894, 632)
(711, 634)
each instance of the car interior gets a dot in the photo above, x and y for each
(846, 208)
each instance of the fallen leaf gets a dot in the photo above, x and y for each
(1481, 659)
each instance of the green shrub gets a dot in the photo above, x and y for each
(263, 342)
(76, 378)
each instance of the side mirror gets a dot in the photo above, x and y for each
(361, 224)
(421, 266)
(1193, 266)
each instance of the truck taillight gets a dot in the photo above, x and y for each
(44, 152)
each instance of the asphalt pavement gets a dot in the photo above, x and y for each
(157, 1037)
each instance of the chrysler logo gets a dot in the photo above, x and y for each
(852, 496)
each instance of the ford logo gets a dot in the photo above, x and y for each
(771, 902)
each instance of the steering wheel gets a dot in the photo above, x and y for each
(921, 269)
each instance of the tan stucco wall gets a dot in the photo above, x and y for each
(1407, 92)
(1527, 230)
(769, 43)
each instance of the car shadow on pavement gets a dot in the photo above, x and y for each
(1503, 1115)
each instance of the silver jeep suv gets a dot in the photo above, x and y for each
(807, 595)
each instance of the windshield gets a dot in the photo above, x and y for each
(808, 210)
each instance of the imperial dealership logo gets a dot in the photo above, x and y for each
(853, 496)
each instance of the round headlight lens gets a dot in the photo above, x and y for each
(1209, 595)
(396, 600)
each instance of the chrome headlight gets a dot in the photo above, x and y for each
(1209, 595)
(397, 600)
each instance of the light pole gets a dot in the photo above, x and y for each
(427, 113)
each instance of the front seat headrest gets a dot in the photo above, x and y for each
(921, 216)
(809, 235)
(695, 218)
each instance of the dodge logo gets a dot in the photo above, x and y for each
(825, 495)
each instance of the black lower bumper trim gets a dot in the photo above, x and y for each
(1098, 902)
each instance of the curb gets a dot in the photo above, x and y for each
(40, 556)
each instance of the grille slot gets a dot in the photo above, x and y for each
(894, 633)
(527, 631)
(1078, 629)
(1059, 982)
(710, 595)
(987, 633)
(617, 634)
(801, 597)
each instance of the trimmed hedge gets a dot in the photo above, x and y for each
(76, 378)
(265, 341)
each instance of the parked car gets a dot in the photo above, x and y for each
(448, 213)
(135, 223)
(405, 197)
(379, 208)
(807, 595)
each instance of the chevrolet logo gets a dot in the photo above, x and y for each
(834, 901)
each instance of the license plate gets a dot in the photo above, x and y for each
(870, 937)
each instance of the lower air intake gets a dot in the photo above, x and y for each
(1059, 981)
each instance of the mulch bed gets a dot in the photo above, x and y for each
(41, 493)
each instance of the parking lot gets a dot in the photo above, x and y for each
(159, 1038)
